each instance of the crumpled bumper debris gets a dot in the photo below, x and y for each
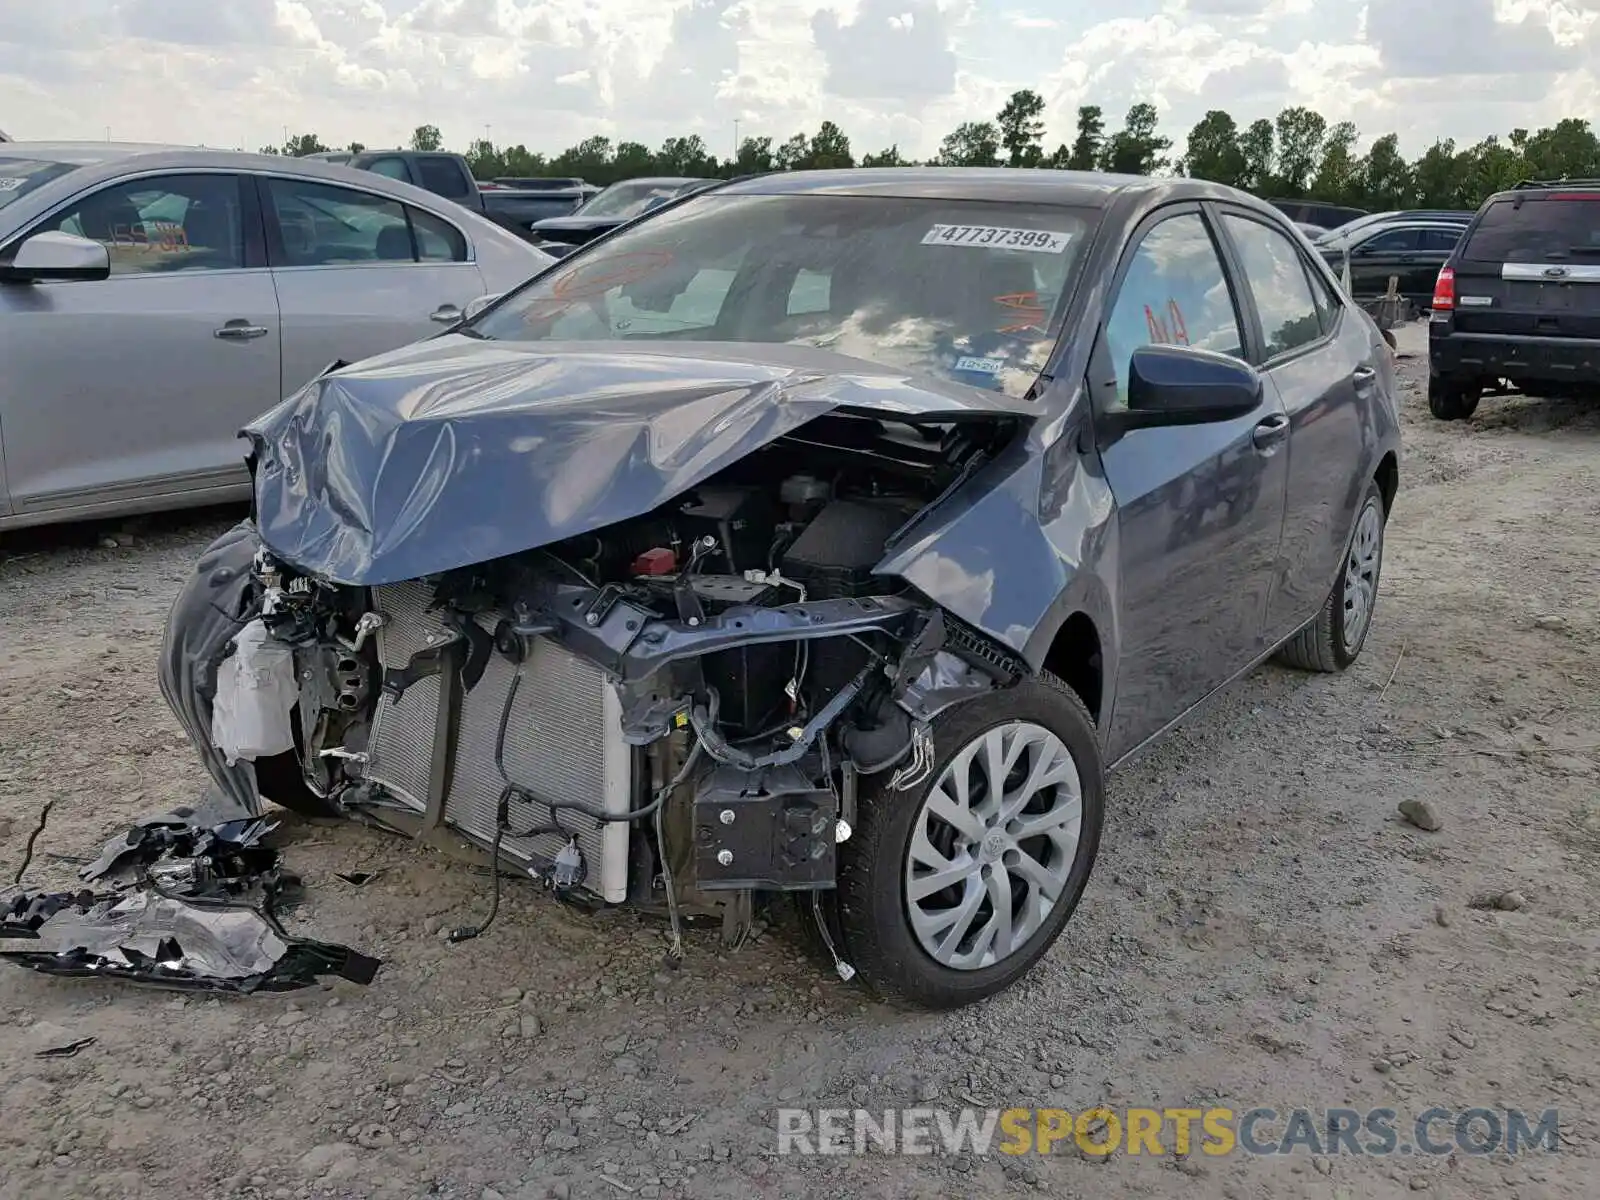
(184, 905)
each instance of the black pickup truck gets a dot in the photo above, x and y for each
(448, 175)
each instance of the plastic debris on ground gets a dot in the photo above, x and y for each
(182, 901)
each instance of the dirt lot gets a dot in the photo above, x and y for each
(1262, 930)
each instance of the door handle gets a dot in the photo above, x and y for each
(445, 314)
(1364, 378)
(1270, 432)
(240, 330)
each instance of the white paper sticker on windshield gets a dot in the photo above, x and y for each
(10, 183)
(1041, 241)
(984, 366)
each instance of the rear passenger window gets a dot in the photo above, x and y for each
(1276, 276)
(1174, 293)
(437, 239)
(1439, 240)
(335, 226)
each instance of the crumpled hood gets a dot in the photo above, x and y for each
(456, 451)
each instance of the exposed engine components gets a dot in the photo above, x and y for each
(774, 829)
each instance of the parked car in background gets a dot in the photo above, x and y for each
(1438, 216)
(450, 176)
(1311, 231)
(1315, 213)
(614, 206)
(1517, 305)
(154, 299)
(947, 489)
(1409, 251)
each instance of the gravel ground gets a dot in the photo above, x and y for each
(1263, 927)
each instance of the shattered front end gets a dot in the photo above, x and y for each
(678, 709)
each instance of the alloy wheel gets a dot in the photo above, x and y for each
(993, 846)
(1361, 575)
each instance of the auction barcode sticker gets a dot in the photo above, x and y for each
(1041, 241)
(10, 183)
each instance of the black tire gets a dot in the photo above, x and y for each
(1452, 401)
(1327, 644)
(871, 907)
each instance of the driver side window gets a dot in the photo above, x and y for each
(162, 224)
(1174, 293)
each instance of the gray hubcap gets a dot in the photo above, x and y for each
(1361, 575)
(993, 846)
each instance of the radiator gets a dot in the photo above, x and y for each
(563, 741)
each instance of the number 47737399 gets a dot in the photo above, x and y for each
(998, 237)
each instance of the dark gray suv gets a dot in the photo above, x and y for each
(827, 535)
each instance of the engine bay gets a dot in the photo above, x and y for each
(744, 665)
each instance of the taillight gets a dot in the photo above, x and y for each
(1444, 290)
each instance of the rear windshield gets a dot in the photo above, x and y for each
(963, 290)
(19, 176)
(1538, 229)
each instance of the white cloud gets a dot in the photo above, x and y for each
(550, 72)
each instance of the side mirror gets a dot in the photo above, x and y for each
(1182, 385)
(475, 307)
(49, 257)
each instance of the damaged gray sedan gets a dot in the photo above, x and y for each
(825, 535)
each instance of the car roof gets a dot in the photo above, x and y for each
(661, 180)
(1081, 188)
(87, 152)
(1533, 189)
(101, 161)
(162, 154)
(1409, 222)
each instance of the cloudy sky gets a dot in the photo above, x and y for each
(548, 72)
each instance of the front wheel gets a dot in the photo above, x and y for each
(953, 889)
(1334, 640)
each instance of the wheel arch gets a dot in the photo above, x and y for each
(1077, 657)
(1387, 477)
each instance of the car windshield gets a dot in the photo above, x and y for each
(19, 176)
(628, 199)
(1554, 229)
(963, 290)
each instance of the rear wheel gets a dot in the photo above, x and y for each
(1452, 401)
(1334, 640)
(951, 890)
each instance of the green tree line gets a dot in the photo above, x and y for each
(1296, 155)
